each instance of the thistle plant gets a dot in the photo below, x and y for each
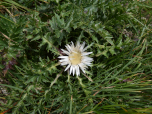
(75, 56)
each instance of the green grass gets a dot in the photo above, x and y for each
(118, 33)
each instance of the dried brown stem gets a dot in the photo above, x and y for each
(87, 77)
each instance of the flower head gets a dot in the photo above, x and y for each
(76, 58)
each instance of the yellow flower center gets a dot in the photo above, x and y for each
(75, 58)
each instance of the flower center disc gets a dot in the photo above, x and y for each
(75, 58)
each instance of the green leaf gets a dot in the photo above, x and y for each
(112, 51)
(16, 88)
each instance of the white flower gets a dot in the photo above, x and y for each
(76, 58)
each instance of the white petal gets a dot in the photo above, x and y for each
(68, 48)
(82, 46)
(87, 63)
(67, 67)
(64, 63)
(87, 59)
(86, 53)
(74, 68)
(81, 67)
(63, 57)
(74, 52)
(64, 60)
(85, 48)
(77, 70)
(84, 66)
(66, 52)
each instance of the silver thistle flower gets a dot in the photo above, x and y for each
(76, 58)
